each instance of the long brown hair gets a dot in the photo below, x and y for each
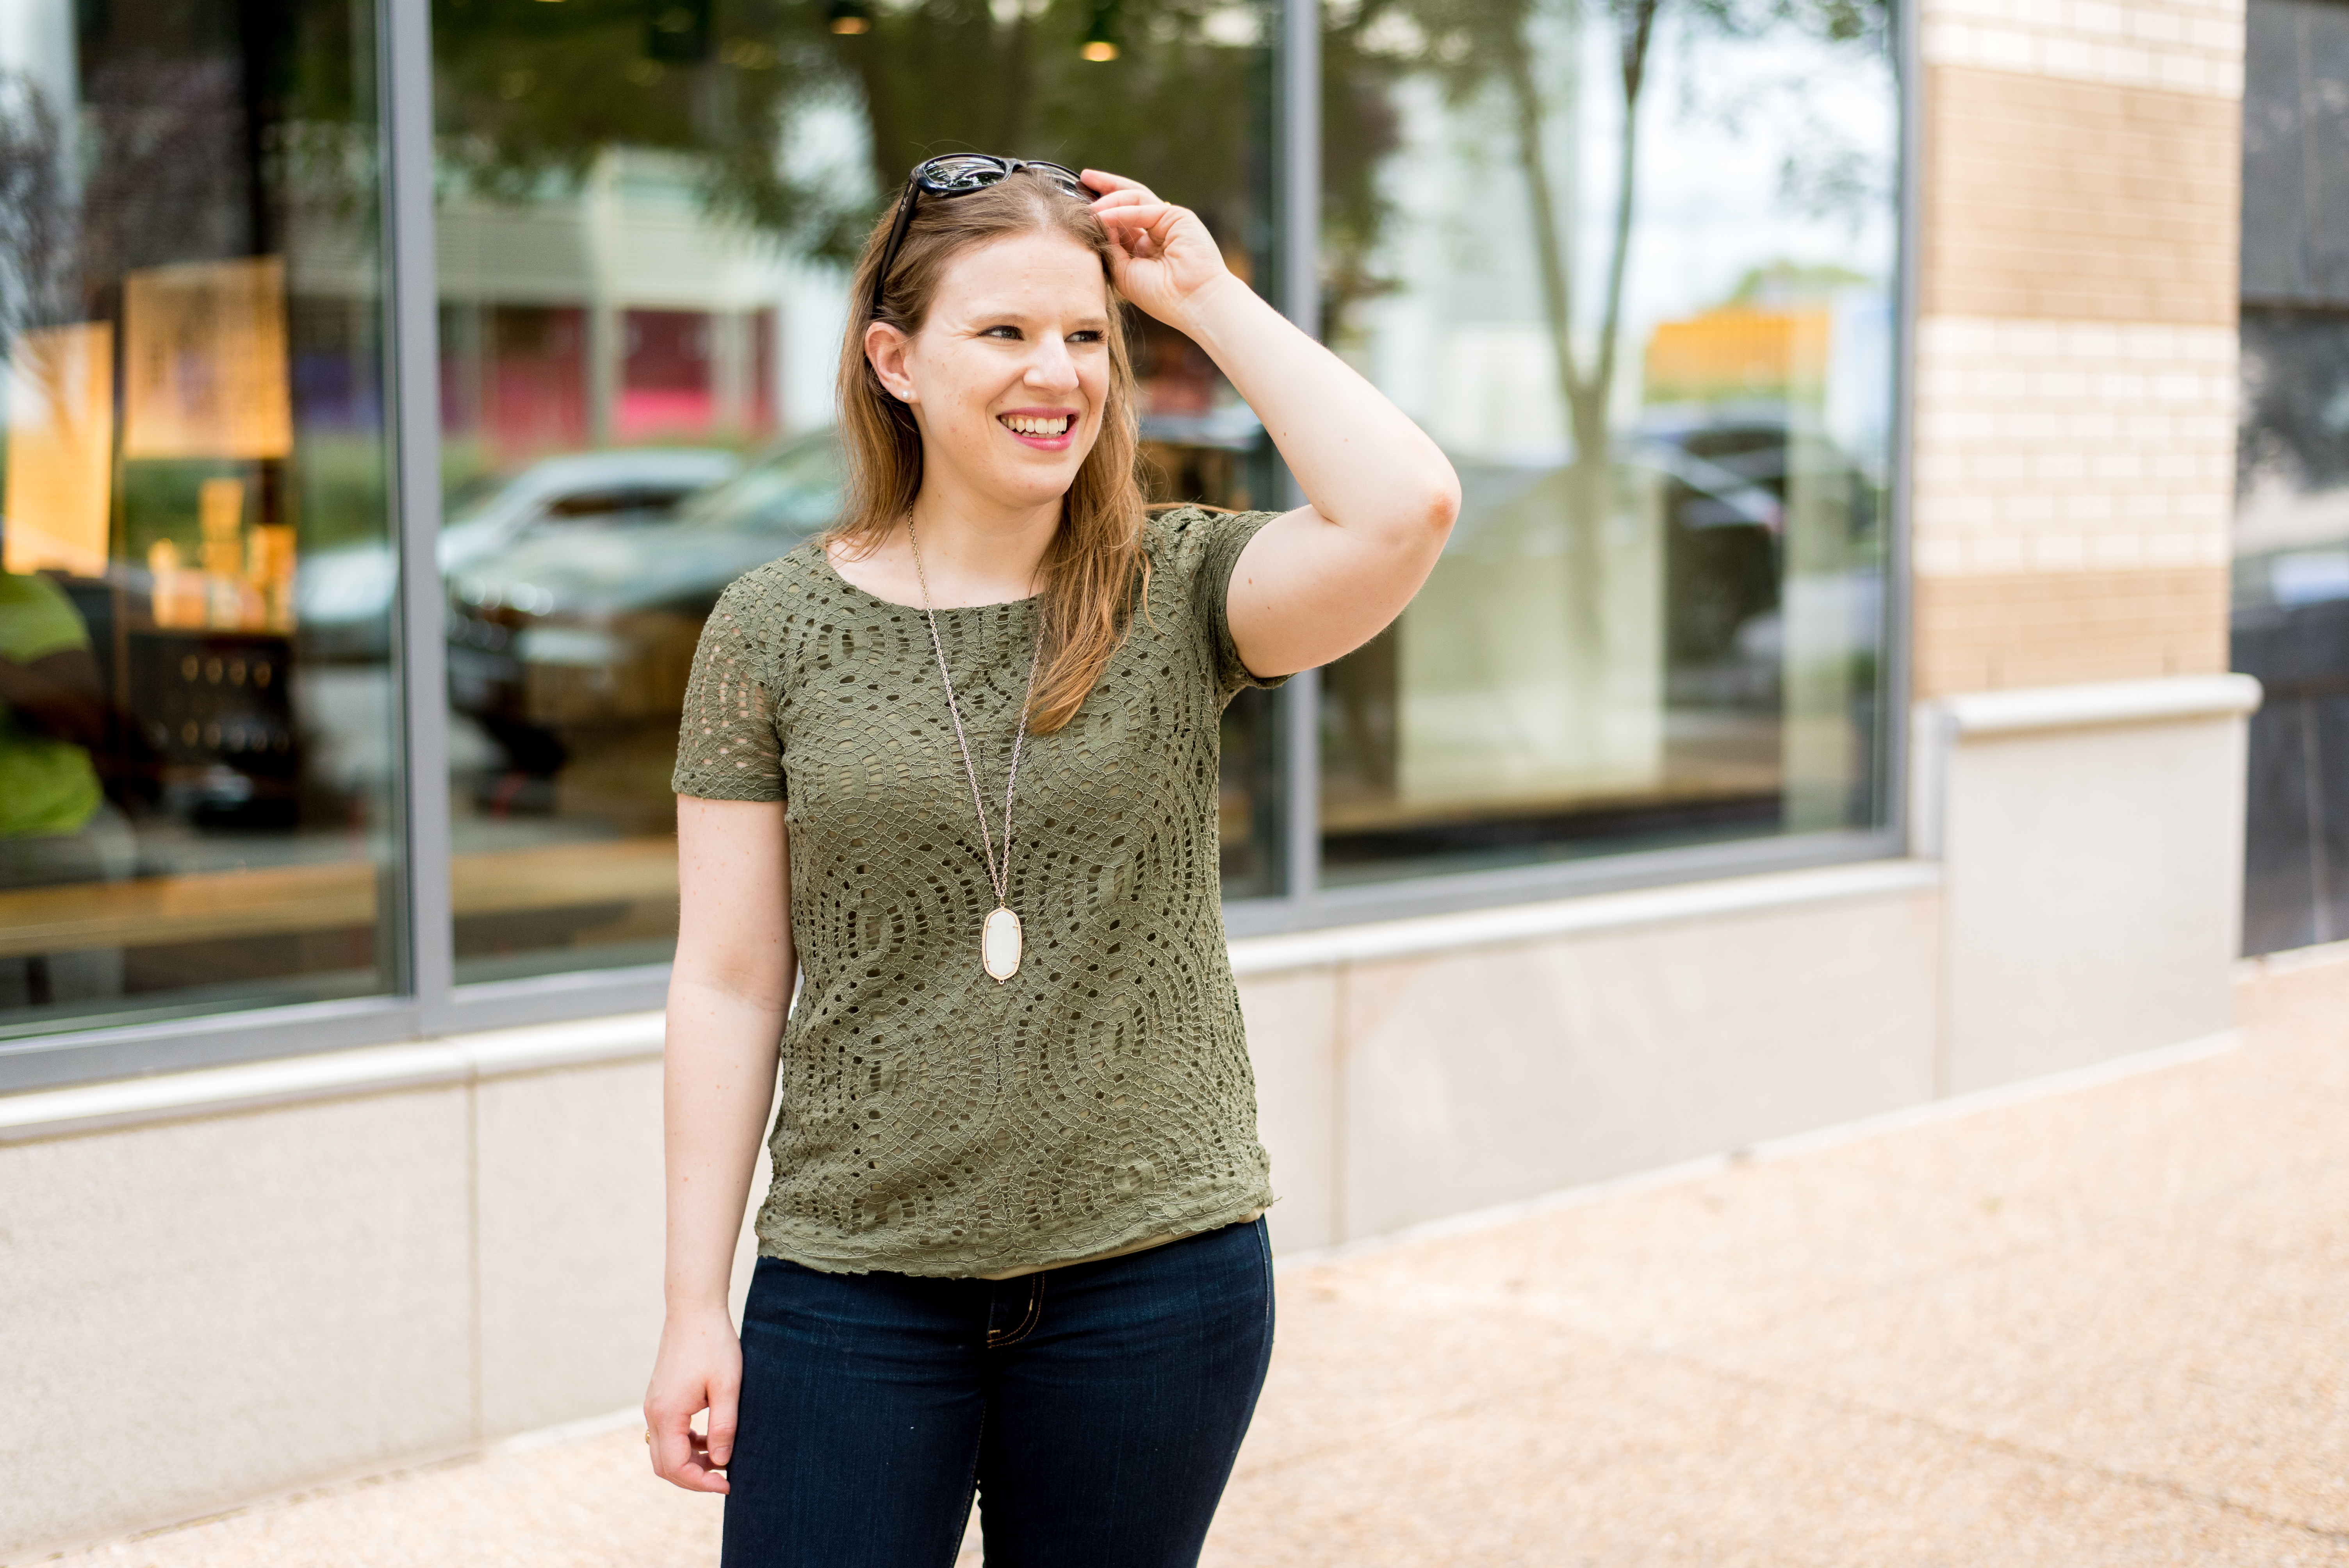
(1095, 568)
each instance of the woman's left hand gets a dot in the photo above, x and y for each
(1160, 254)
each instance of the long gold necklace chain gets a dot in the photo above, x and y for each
(999, 936)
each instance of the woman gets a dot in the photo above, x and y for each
(953, 770)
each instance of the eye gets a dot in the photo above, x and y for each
(1089, 335)
(1006, 332)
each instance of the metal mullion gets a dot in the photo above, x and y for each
(1452, 893)
(1898, 630)
(1300, 789)
(406, 33)
(1299, 204)
(555, 998)
(201, 1040)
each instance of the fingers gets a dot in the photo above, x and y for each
(1143, 210)
(719, 1445)
(701, 1472)
(681, 1456)
(1128, 196)
(1143, 226)
(1140, 225)
(1102, 180)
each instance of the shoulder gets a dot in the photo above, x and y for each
(788, 579)
(755, 625)
(1188, 539)
(766, 600)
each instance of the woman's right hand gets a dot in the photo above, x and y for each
(700, 1368)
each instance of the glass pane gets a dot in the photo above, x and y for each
(1658, 620)
(197, 722)
(2295, 133)
(645, 217)
(2291, 620)
(2291, 497)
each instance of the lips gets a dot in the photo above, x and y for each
(1041, 430)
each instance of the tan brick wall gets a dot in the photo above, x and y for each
(1979, 632)
(2079, 201)
(2076, 357)
(2069, 446)
(2181, 45)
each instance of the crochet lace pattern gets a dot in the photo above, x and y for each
(933, 1121)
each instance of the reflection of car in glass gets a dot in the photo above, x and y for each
(1738, 480)
(579, 487)
(1726, 498)
(592, 628)
(342, 596)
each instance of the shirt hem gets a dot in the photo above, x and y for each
(1154, 1234)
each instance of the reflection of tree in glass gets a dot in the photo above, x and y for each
(1489, 50)
(191, 136)
(37, 238)
(527, 97)
(2295, 418)
(1180, 111)
(529, 92)
(35, 227)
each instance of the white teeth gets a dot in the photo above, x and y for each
(1029, 424)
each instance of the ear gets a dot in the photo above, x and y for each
(886, 347)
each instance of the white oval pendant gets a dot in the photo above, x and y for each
(998, 943)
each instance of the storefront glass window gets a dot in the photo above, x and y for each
(1633, 264)
(196, 709)
(2292, 516)
(645, 214)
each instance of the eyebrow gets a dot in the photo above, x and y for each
(999, 317)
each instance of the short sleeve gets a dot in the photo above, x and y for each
(727, 747)
(1204, 547)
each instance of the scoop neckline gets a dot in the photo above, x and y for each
(824, 556)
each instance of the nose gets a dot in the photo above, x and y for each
(1049, 369)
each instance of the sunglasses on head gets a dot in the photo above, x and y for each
(960, 174)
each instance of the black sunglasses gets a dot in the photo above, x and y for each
(960, 174)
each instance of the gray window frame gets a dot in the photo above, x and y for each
(431, 1004)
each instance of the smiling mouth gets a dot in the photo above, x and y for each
(1038, 424)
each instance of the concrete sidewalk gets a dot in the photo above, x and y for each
(2109, 1325)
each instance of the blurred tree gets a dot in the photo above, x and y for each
(37, 224)
(531, 95)
(1504, 52)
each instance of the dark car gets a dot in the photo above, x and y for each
(565, 637)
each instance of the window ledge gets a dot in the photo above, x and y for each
(2164, 700)
(1573, 916)
(328, 1075)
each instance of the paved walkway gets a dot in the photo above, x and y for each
(2104, 1327)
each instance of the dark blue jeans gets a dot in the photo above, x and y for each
(1096, 1409)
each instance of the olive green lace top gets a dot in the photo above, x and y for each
(933, 1121)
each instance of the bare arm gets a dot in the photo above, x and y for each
(1323, 580)
(726, 997)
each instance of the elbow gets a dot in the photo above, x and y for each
(1439, 504)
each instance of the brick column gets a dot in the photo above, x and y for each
(2076, 369)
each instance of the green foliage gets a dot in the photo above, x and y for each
(531, 95)
(1783, 282)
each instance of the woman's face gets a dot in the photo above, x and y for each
(1009, 375)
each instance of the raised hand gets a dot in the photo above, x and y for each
(1160, 255)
